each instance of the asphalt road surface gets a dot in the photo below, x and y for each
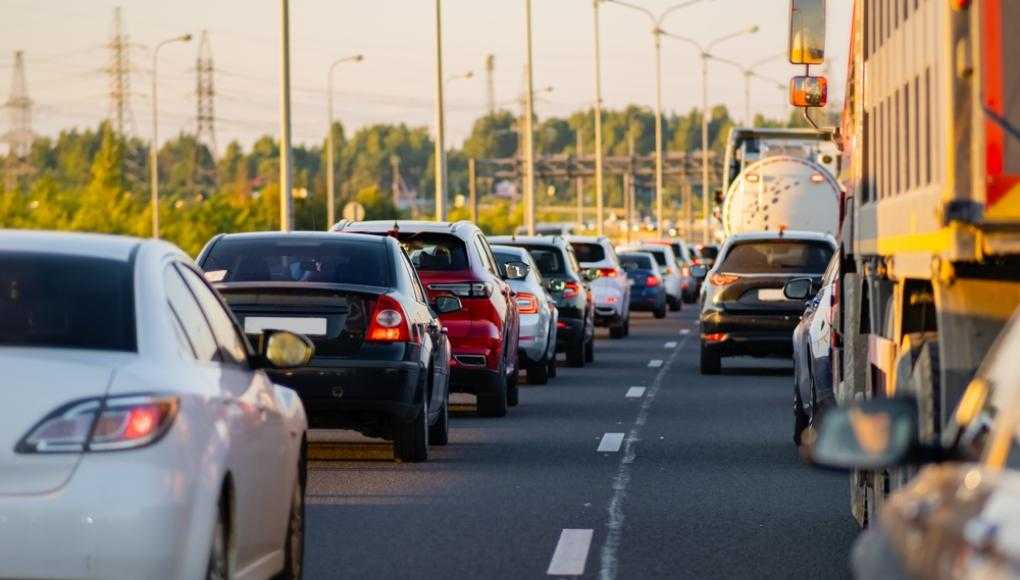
(633, 467)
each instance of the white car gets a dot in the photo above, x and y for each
(138, 437)
(537, 338)
(611, 288)
(671, 273)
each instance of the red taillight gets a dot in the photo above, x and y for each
(714, 337)
(561, 325)
(527, 303)
(652, 281)
(571, 289)
(608, 273)
(389, 323)
(113, 424)
(723, 279)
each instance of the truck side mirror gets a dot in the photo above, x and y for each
(807, 31)
(809, 92)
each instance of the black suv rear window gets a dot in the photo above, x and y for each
(548, 259)
(587, 252)
(777, 257)
(635, 262)
(66, 302)
(334, 261)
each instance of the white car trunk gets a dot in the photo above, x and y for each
(35, 383)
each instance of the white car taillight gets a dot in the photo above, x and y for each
(109, 424)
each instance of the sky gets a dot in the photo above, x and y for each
(65, 56)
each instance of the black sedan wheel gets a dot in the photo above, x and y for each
(411, 440)
(439, 432)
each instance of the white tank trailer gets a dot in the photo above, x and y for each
(782, 192)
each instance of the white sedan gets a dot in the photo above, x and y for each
(138, 437)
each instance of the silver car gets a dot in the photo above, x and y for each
(537, 340)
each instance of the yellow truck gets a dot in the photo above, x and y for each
(930, 228)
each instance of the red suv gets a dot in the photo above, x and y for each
(455, 259)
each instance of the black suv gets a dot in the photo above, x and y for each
(567, 284)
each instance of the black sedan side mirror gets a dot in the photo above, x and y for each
(446, 304)
(282, 349)
(799, 289)
(869, 435)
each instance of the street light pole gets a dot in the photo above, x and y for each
(330, 156)
(529, 138)
(440, 150)
(749, 73)
(286, 193)
(599, 219)
(154, 146)
(657, 33)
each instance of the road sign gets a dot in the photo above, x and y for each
(354, 211)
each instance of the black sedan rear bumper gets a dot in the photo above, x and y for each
(761, 334)
(347, 394)
(568, 332)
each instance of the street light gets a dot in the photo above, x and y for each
(330, 204)
(529, 131)
(749, 73)
(153, 152)
(440, 145)
(705, 52)
(657, 35)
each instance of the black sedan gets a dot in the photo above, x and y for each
(381, 363)
(744, 310)
(567, 284)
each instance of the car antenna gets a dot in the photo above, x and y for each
(395, 230)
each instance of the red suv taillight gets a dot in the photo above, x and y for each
(571, 289)
(652, 281)
(527, 303)
(464, 289)
(608, 273)
(389, 323)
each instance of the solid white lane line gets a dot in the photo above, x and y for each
(571, 553)
(671, 344)
(614, 525)
(635, 392)
(611, 442)
(655, 363)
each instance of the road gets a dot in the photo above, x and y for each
(702, 481)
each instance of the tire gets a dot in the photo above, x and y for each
(218, 567)
(411, 440)
(711, 362)
(575, 354)
(552, 366)
(618, 331)
(494, 404)
(439, 432)
(589, 351)
(626, 325)
(674, 304)
(294, 545)
(660, 312)
(800, 419)
(539, 375)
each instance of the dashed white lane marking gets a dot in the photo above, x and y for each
(614, 525)
(571, 553)
(685, 331)
(671, 344)
(611, 442)
(655, 363)
(635, 392)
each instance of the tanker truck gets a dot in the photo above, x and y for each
(782, 192)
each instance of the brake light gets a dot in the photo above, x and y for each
(714, 337)
(110, 424)
(571, 289)
(527, 303)
(608, 273)
(652, 281)
(388, 323)
(561, 325)
(464, 289)
(723, 279)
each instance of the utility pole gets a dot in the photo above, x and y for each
(286, 193)
(395, 183)
(599, 219)
(19, 129)
(579, 181)
(440, 151)
(119, 71)
(490, 82)
(628, 185)
(472, 190)
(529, 131)
(154, 144)
(705, 193)
(206, 91)
(330, 155)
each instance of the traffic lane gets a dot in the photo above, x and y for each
(494, 502)
(717, 488)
